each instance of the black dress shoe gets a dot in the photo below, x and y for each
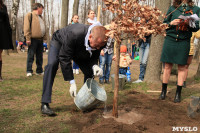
(45, 109)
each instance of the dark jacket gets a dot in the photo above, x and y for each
(72, 42)
(148, 40)
(172, 32)
(5, 30)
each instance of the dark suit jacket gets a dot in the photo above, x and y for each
(72, 47)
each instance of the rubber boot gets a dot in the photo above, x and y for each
(177, 98)
(164, 91)
(0, 71)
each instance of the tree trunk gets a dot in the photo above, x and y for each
(14, 13)
(198, 72)
(64, 16)
(32, 2)
(85, 12)
(75, 7)
(154, 66)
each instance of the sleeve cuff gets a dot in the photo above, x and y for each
(72, 81)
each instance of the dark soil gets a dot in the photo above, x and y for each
(158, 117)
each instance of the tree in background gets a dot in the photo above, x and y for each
(32, 2)
(154, 66)
(64, 14)
(14, 13)
(75, 7)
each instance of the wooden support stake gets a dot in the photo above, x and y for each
(98, 14)
(116, 88)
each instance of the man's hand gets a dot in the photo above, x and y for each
(97, 71)
(72, 90)
(28, 43)
(102, 53)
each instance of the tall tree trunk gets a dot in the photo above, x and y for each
(64, 16)
(198, 72)
(85, 12)
(32, 2)
(75, 7)
(154, 65)
(14, 13)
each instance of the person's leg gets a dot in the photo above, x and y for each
(166, 76)
(120, 70)
(108, 67)
(102, 60)
(141, 54)
(48, 79)
(123, 71)
(144, 61)
(39, 56)
(1, 79)
(50, 73)
(76, 68)
(30, 56)
(189, 61)
(181, 76)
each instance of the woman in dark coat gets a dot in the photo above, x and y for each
(5, 33)
(177, 43)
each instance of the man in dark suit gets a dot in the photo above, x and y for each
(78, 42)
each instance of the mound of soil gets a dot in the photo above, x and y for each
(149, 114)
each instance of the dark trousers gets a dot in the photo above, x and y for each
(123, 70)
(75, 66)
(51, 69)
(50, 73)
(36, 48)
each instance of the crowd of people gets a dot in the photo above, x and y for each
(91, 51)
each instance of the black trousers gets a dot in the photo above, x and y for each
(36, 48)
(51, 70)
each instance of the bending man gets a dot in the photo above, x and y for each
(78, 42)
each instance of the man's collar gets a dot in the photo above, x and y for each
(184, 5)
(35, 12)
(88, 48)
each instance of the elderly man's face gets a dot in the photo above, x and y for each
(40, 10)
(96, 44)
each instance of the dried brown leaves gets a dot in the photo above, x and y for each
(135, 19)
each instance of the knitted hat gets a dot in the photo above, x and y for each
(123, 49)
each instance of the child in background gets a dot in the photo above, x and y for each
(124, 61)
(75, 66)
(74, 19)
(91, 17)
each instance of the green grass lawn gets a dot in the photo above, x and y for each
(20, 97)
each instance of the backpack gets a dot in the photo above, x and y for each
(30, 29)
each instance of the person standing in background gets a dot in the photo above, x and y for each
(5, 33)
(34, 31)
(143, 54)
(106, 55)
(75, 66)
(191, 53)
(91, 17)
(176, 45)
